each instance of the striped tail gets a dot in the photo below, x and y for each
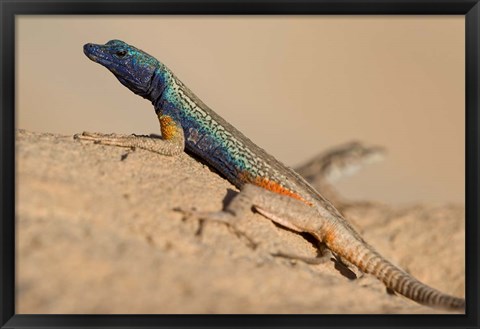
(369, 261)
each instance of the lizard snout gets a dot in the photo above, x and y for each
(95, 53)
(88, 48)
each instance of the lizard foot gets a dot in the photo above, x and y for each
(324, 256)
(99, 138)
(223, 217)
(152, 142)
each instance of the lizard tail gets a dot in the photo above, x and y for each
(369, 261)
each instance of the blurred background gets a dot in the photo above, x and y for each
(295, 85)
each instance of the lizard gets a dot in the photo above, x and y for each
(336, 163)
(266, 185)
(340, 161)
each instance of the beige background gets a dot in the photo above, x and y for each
(294, 85)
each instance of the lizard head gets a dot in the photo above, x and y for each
(134, 68)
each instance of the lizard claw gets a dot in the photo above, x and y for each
(88, 136)
(112, 139)
(78, 136)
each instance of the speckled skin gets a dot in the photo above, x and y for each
(274, 190)
(207, 135)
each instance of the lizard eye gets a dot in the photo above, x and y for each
(121, 53)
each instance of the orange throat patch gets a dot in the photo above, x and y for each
(168, 127)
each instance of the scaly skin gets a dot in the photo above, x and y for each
(186, 118)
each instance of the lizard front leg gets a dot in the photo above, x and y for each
(172, 141)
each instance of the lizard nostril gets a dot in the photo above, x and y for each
(89, 49)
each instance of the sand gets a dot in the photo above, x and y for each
(97, 233)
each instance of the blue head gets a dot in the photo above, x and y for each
(134, 68)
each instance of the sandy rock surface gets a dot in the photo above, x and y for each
(97, 233)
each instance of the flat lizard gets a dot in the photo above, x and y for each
(266, 185)
(334, 164)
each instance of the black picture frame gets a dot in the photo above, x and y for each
(10, 8)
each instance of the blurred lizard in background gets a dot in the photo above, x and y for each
(325, 169)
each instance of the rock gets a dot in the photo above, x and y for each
(97, 233)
